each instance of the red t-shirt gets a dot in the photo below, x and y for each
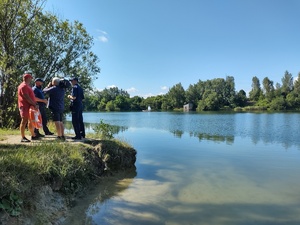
(25, 89)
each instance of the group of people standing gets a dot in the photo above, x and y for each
(35, 97)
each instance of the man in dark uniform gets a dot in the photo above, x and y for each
(76, 98)
(40, 99)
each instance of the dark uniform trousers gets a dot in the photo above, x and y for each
(77, 122)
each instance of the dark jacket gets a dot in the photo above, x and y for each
(78, 93)
(56, 98)
(39, 94)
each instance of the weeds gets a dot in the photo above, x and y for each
(24, 169)
(105, 130)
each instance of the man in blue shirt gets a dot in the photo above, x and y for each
(56, 94)
(76, 98)
(40, 99)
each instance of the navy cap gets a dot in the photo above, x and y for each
(73, 78)
(39, 79)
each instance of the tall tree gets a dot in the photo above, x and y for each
(33, 40)
(297, 84)
(176, 96)
(211, 101)
(268, 88)
(287, 83)
(61, 48)
(255, 92)
(16, 20)
(241, 98)
(192, 95)
(229, 90)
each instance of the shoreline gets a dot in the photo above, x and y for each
(48, 200)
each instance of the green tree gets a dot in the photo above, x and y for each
(229, 91)
(16, 19)
(110, 106)
(166, 105)
(287, 83)
(255, 92)
(135, 103)
(277, 91)
(241, 99)
(92, 101)
(293, 100)
(200, 89)
(122, 103)
(278, 103)
(61, 48)
(192, 95)
(268, 88)
(297, 84)
(210, 102)
(33, 40)
(176, 96)
(158, 102)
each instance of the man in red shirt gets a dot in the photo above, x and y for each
(26, 98)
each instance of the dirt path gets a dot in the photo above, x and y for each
(16, 139)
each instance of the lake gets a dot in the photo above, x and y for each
(200, 168)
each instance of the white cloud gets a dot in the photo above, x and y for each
(102, 32)
(164, 88)
(147, 95)
(132, 90)
(111, 86)
(103, 37)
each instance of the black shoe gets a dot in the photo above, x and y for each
(33, 138)
(60, 138)
(76, 138)
(24, 139)
(49, 133)
(39, 135)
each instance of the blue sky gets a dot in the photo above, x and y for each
(148, 46)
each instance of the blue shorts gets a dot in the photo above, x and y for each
(56, 116)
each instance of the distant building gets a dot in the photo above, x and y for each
(187, 107)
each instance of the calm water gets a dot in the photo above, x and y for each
(210, 168)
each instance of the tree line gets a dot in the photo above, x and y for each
(214, 94)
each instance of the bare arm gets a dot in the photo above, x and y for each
(30, 101)
(41, 100)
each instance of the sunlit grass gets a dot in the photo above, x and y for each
(16, 131)
(24, 169)
(65, 167)
(4, 132)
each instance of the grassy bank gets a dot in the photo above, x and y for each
(67, 168)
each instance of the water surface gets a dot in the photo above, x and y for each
(209, 168)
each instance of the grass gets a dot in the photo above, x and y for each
(24, 169)
(251, 108)
(4, 132)
(66, 168)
